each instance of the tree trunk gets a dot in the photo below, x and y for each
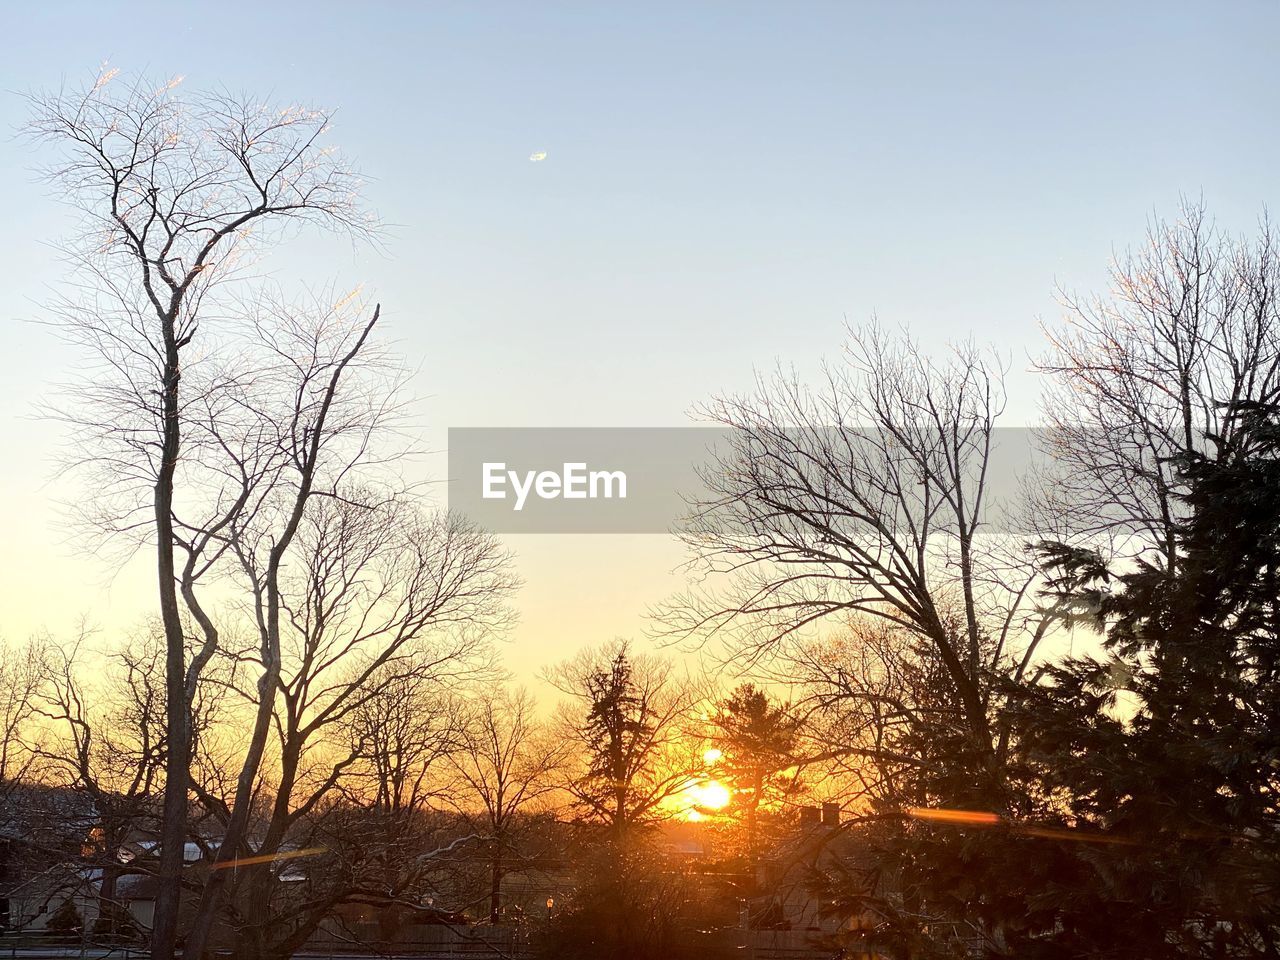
(495, 884)
(173, 832)
(237, 827)
(107, 923)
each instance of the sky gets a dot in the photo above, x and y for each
(726, 185)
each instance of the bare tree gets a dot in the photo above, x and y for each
(1188, 333)
(173, 187)
(402, 738)
(508, 765)
(862, 693)
(105, 719)
(373, 599)
(21, 679)
(867, 497)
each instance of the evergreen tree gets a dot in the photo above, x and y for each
(1164, 754)
(756, 740)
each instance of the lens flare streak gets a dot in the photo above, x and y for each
(267, 858)
(985, 818)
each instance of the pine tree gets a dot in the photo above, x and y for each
(756, 738)
(1167, 750)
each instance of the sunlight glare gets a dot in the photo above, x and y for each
(711, 795)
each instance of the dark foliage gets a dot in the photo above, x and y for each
(629, 905)
(1168, 748)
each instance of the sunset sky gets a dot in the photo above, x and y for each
(725, 185)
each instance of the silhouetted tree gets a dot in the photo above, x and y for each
(756, 737)
(1142, 377)
(378, 601)
(508, 765)
(174, 188)
(627, 721)
(1169, 745)
(22, 673)
(862, 501)
(629, 906)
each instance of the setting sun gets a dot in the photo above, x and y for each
(710, 795)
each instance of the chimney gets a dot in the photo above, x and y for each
(809, 817)
(831, 814)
